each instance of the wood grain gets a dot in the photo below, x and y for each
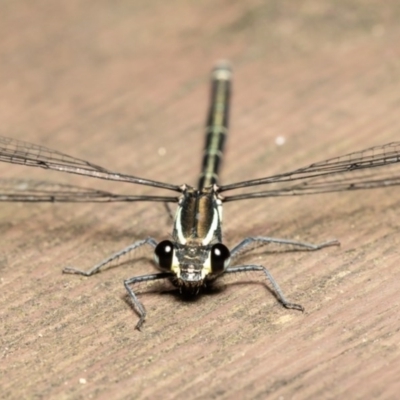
(125, 84)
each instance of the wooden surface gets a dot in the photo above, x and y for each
(125, 84)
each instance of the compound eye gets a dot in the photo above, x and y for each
(163, 254)
(220, 256)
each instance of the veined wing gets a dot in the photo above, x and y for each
(375, 167)
(19, 152)
(27, 190)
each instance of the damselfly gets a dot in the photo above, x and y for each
(196, 256)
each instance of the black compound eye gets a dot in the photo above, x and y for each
(163, 254)
(220, 255)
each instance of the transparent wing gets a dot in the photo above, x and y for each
(18, 152)
(24, 190)
(370, 168)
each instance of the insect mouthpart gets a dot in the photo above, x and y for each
(190, 278)
(198, 265)
(191, 266)
(191, 274)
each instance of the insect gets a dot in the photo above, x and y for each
(196, 255)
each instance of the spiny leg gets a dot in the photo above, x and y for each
(277, 289)
(266, 240)
(139, 308)
(169, 211)
(97, 267)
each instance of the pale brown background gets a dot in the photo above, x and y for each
(121, 83)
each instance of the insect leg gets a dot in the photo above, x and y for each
(277, 289)
(136, 303)
(96, 268)
(266, 240)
